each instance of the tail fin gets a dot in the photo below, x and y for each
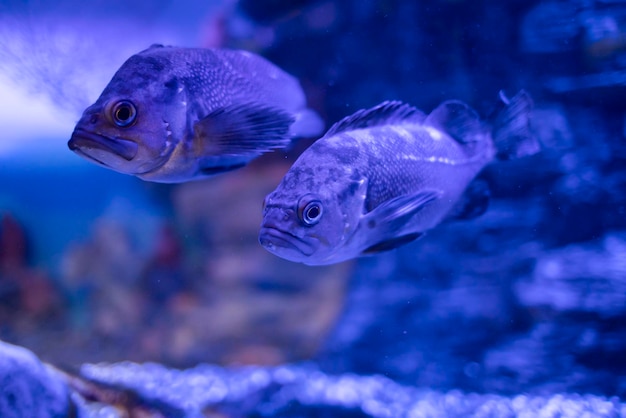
(511, 128)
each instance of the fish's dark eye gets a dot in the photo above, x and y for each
(124, 113)
(310, 212)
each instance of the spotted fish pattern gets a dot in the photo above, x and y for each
(382, 177)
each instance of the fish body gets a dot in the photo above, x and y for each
(174, 114)
(384, 176)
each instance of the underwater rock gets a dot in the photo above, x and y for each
(425, 314)
(304, 391)
(576, 298)
(492, 310)
(28, 388)
(507, 316)
(585, 278)
(579, 48)
(559, 355)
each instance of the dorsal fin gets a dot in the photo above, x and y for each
(458, 120)
(387, 112)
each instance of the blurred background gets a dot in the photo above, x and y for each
(99, 266)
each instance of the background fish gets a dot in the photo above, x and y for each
(177, 114)
(382, 177)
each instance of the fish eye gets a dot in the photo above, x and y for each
(124, 113)
(310, 211)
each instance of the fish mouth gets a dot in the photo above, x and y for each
(84, 142)
(274, 238)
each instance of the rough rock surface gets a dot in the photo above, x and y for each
(304, 391)
(31, 389)
(28, 388)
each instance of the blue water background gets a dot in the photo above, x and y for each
(527, 298)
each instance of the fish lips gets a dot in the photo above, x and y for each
(89, 144)
(276, 240)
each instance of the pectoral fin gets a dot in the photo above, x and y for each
(385, 222)
(241, 131)
(395, 212)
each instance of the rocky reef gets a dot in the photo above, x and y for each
(129, 389)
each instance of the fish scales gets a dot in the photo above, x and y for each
(239, 75)
(178, 114)
(384, 176)
(399, 159)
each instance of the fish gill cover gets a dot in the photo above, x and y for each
(517, 311)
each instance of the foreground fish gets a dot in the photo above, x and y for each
(177, 114)
(382, 177)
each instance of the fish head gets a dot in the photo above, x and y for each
(136, 123)
(300, 231)
(312, 214)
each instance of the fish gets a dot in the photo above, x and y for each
(384, 176)
(175, 114)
